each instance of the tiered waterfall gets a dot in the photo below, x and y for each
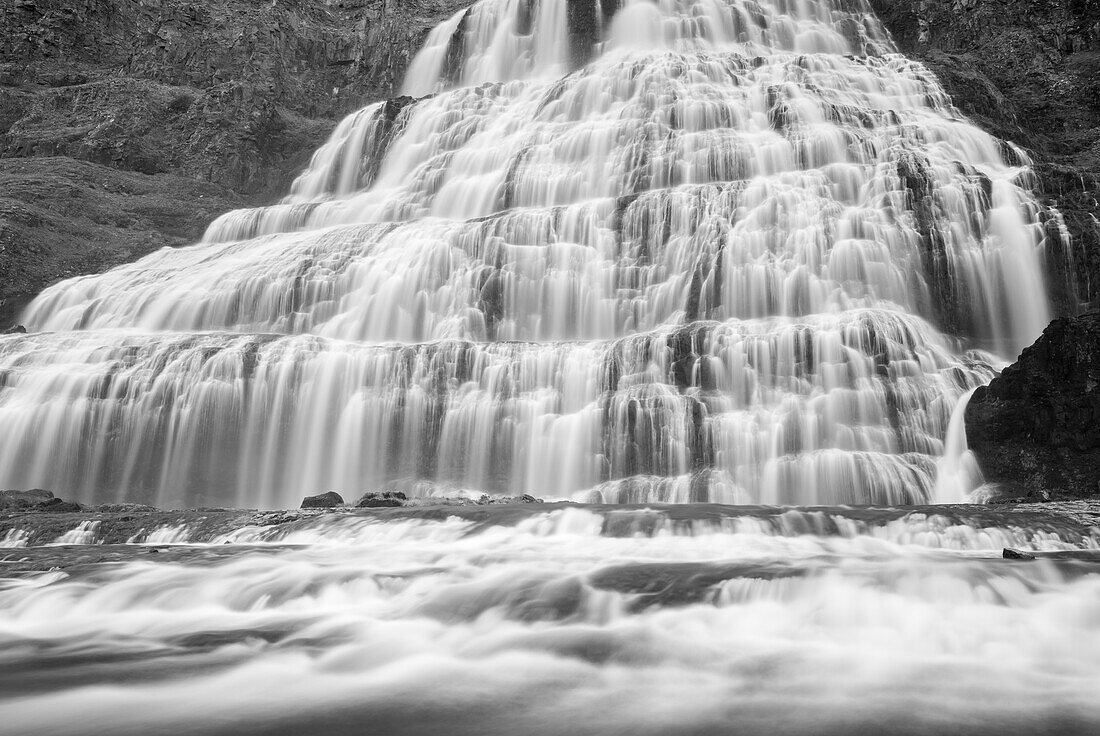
(696, 250)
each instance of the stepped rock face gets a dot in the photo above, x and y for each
(209, 106)
(128, 126)
(724, 260)
(1036, 427)
(1030, 72)
(1027, 71)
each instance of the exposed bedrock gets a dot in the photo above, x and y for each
(1027, 71)
(210, 106)
(1036, 427)
(128, 126)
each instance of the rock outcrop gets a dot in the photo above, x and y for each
(1028, 71)
(380, 500)
(1036, 428)
(329, 500)
(222, 103)
(128, 126)
(36, 500)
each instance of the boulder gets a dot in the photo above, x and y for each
(1035, 429)
(25, 499)
(385, 498)
(35, 499)
(329, 500)
(58, 506)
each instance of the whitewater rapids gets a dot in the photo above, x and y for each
(566, 620)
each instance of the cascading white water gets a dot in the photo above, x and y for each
(741, 252)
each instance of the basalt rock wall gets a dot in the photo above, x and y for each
(127, 125)
(1036, 427)
(1028, 71)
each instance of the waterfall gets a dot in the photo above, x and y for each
(735, 251)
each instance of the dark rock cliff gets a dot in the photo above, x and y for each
(1028, 71)
(1036, 427)
(127, 125)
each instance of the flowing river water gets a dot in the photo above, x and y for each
(635, 259)
(562, 620)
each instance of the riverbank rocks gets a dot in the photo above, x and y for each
(329, 500)
(1036, 428)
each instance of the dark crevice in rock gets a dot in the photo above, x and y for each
(584, 30)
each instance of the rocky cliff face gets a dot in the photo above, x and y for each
(1036, 427)
(126, 126)
(205, 106)
(1028, 71)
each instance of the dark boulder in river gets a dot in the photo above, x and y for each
(377, 500)
(35, 499)
(329, 500)
(1036, 428)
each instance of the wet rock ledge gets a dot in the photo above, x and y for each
(46, 525)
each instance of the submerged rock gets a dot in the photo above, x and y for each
(329, 500)
(1036, 428)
